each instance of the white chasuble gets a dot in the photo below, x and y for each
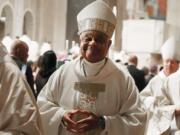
(171, 92)
(88, 94)
(161, 115)
(106, 91)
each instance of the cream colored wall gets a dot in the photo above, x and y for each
(53, 23)
(48, 20)
(16, 20)
(60, 25)
(121, 15)
(6, 8)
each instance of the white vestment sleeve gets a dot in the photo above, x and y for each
(51, 112)
(126, 116)
(10, 133)
(161, 115)
(152, 91)
(175, 121)
(6, 133)
(147, 97)
(131, 119)
(18, 111)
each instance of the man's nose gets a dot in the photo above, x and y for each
(92, 42)
(169, 63)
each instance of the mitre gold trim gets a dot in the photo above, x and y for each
(96, 24)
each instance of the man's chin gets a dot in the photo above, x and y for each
(92, 60)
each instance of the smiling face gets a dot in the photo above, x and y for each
(94, 45)
(170, 66)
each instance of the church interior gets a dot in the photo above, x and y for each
(142, 26)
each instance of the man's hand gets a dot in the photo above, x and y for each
(69, 122)
(79, 121)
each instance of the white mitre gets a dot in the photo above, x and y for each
(171, 49)
(97, 16)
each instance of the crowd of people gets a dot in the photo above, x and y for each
(90, 95)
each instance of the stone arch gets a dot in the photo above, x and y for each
(28, 24)
(6, 21)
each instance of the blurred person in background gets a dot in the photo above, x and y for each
(153, 91)
(153, 69)
(19, 114)
(167, 113)
(137, 74)
(47, 65)
(19, 53)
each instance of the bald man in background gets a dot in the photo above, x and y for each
(19, 53)
(19, 114)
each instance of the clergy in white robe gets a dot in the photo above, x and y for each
(152, 95)
(165, 118)
(153, 89)
(19, 114)
(171, 101)
(111, 93)
(90, 95)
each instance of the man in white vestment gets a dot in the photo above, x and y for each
(170, 103)
(19, 114)
(152, 94)
(90, 95)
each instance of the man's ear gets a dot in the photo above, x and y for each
(109, 43)
(17, 51)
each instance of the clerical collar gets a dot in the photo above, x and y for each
(162, 74)
(178, 71)
(92, 69)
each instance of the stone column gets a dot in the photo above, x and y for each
(18, 18)
(121, 14)
(59, 39)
